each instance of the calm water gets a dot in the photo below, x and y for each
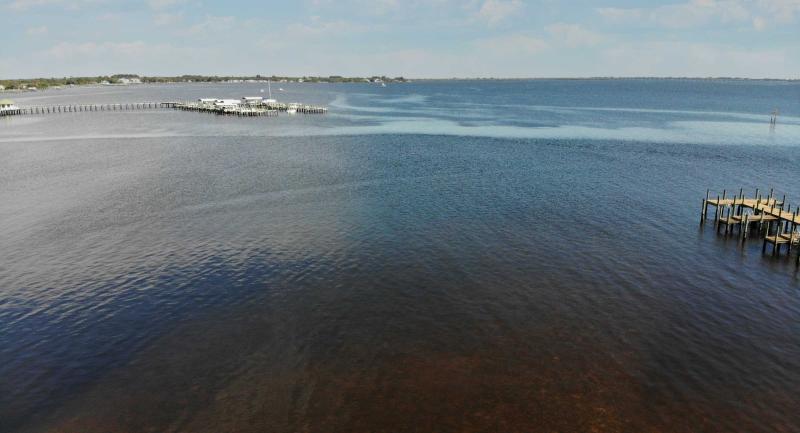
(429, 257)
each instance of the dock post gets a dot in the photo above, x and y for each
(797, 262)
(728, 218)
(788, 209)
(703, 212)
(791, 233)
(745, 227)
(741, 195)
(705, 209)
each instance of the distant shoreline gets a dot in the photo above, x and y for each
(32, 84)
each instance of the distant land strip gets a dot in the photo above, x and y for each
(123, 79)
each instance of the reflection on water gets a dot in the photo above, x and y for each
(181, 272)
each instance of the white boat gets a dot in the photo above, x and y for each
(292, 108)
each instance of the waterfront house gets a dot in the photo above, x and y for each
(130, 81)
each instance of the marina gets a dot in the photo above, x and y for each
(248, 106)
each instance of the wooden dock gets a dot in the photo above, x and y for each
(771, 217)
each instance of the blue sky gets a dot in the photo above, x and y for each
(434, 38)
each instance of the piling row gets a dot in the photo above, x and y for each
(246, 111)
(760, 215)
(255, 109)
(48, 109)
(300, 108)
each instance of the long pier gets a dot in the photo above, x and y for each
(769, 216)
(247, 110)
(76, 108)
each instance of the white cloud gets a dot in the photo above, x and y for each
(71, 50)
(167, 19)
(318, 27)
(695, 13)
(23, 5)
(621, 14)
(671, 58)
(164, 4)
(211, 25)
(574, 35)
(782, 11)
(510, 45)
(36, 31)
(382, 7)
(495, 11)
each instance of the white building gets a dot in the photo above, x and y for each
(227, 103)
(252, 100)
(130, 81)
(7, 107)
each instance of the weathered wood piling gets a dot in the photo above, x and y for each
(77, 108)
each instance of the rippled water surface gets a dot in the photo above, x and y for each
(428, 257)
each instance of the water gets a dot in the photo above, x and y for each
(435, 256)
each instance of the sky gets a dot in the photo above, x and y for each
(410, 38)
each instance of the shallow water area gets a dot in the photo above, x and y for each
(432, 256)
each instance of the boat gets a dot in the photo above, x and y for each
(292, 108)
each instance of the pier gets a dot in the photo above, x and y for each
(77, 108)
(759, 215)
(260, 108)
(268, 108)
